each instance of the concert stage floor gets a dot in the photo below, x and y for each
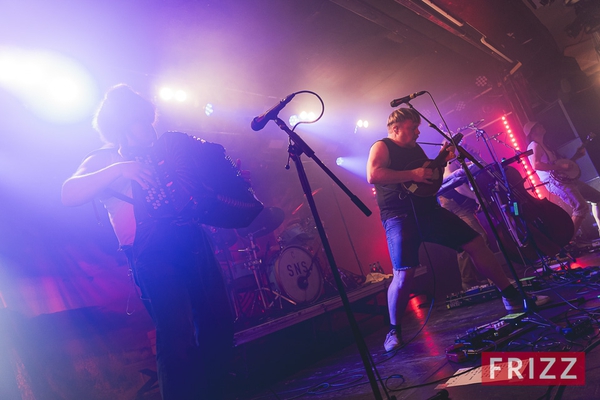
(317, 358)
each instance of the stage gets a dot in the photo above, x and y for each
(305, 362)
(359, 299)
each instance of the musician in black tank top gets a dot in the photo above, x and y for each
(171, 258)
(409, 220)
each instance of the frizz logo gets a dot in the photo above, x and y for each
(529, 368)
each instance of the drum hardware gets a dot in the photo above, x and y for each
(255, 266)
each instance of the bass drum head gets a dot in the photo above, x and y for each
(298, 275)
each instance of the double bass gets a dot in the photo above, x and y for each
(528, 227)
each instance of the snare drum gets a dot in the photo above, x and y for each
(297, 274)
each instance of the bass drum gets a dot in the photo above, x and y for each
(297, 275)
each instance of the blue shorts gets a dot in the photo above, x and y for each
(438, 225)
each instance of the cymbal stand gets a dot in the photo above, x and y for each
(254, 264)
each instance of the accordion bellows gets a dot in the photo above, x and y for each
(194, 179)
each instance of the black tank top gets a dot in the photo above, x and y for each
(392, 199)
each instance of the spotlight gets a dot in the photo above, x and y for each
(362, 124)
(180, 95)
(294, 119)
(166, 93)
(339, 161)
(54, 87)
(307, 116)
(208, 109)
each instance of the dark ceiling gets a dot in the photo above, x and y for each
(243, 56)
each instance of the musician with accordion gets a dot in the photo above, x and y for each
(561, 175)
(158, 192)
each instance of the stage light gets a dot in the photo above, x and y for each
(51, 85)
(294, 119)
(307, 116)
(355, 164)
(166, 93)
(180, 95)
(208, 109)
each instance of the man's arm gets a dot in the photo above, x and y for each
(536, 161)
(92, 177)
(379, 173)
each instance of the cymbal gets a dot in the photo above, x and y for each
(302, 204)
(267, 221)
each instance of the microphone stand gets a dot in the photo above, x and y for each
(462, 156)
(296, 148)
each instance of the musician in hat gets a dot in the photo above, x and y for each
(171, 258)
(395, 163)
(553, 171)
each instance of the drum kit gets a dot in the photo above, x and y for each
(261, 280)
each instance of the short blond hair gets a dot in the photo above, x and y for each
(403, 114)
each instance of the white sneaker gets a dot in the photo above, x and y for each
(516, 304)
(392, 341)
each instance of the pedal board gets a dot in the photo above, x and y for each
(487, 337)
(532, 283)
(475, 295)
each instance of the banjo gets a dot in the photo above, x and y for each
(423, 189)
(573, 172)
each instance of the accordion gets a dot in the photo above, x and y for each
(194, 179)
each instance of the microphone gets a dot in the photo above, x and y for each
(259, 122)
(472, 125)
(406, 99)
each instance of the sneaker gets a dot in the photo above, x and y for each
(392, 341)
(516, 304)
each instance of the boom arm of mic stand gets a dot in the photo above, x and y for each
(305, 148)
